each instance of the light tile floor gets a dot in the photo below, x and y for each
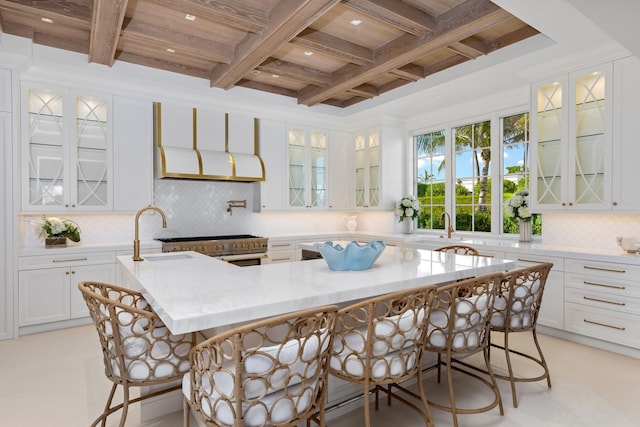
(56, 379)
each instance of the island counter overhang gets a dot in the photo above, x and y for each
(193, 292)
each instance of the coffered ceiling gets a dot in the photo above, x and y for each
(317, 51)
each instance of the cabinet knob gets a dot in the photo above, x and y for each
(570, 204)
(67, 273)
(615, 203)
(73, 272)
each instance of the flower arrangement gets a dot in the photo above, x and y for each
(407, 207)
(518, 206)
(55, 227)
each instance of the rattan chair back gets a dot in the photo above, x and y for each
(270, 372)
(137, 348)
(379, 341)
(458, 325)
(459, 249)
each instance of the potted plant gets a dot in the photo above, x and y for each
(518, 207)
(57, 231)
(407, 210)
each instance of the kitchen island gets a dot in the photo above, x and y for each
(193, 292)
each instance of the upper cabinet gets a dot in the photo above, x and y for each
(377, 166)
(307, 178)
(626, 125)
(66, 151)
(5, 90)
(572, 141)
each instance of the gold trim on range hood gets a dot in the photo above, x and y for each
(204, 164)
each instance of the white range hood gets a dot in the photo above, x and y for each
(196, 143)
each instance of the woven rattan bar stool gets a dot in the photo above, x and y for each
(458, 326)
(459, 249)
(516, 310)
(137, 348)
(268, 373)
(379, 343)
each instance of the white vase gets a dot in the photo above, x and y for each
(525, 231)
(407, 225)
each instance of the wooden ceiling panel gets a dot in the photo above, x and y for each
(249, 42)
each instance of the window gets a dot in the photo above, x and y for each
(514, 131)
(463, 157)
(472, 203)
(430, 155)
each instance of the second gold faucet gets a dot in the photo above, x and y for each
(449, 227)
(136, 240)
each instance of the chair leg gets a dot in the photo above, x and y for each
(542, 359)
(125, 404)
(494, 381)
(510, 369)
(452, 399)
(186, 412)
(427, 413)
(367, 404)
(107, 408)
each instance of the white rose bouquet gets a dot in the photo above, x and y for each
(518, 206)
(407, 207)
(56, 227)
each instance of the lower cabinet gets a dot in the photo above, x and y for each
(282, 251)
(602, 300)
(48, 286)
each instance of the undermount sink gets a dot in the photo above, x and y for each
(172, 257)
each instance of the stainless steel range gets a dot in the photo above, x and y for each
(241, 249)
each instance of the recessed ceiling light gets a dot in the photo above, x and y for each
(356, 22)
(275, 76)
(308, 53)
(189, 17)
(171, 50)
(255, 72)
(47, 20)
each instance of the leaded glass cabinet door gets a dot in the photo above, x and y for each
(47, 176)
(367, 169)
(307, 150)
(590, 137)
(550, 153)
(91, 152)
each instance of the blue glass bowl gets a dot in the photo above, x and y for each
(352, 257)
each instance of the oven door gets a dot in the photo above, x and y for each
(244, 260)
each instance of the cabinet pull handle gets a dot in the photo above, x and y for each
(604, 301)
(620, 328)
(622, 288)
(611, 270)
(530, 260)
(280, 245)
(70, 259)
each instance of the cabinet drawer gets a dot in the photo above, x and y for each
(603, 285)
(606, 301)
(66, 260)
(281, 245)
(620, 328)
(283, 256)
(527, 260)
(603, 269)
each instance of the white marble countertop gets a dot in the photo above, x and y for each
(193, 292)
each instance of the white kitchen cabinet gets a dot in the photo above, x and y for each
(6, 238)
(377, 162)
(48, 286)
(307, 157)
(66, 150)
(282, 251)
(552, 309)
(571, 131)
(272, 191)
(626, 128)
(132, 154)
(338, 188)
(602, 300)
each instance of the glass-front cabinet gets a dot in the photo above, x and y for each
(66, 150)
(367, 169)
(307, 154)
(571, 132)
